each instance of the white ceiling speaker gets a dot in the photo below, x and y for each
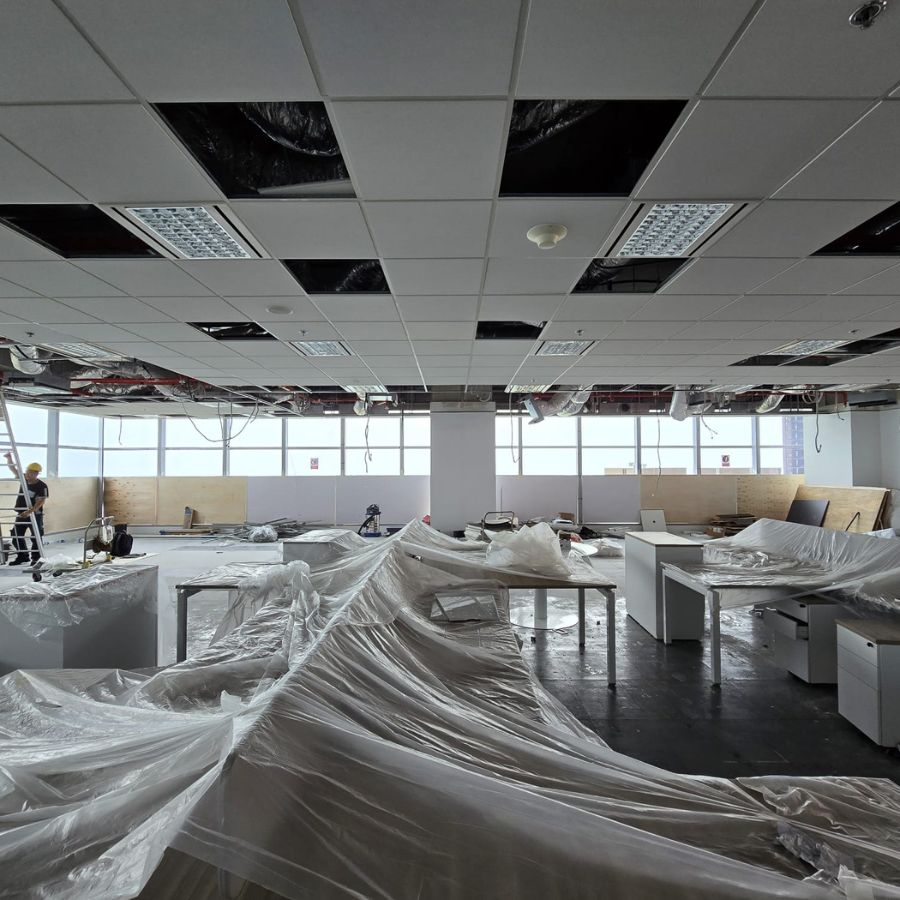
(547, 236)
(279, 309)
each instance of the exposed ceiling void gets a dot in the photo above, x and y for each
(276, 149)
(807, 354)
(508, 331)
(879, 236)
(339, 276)
(75, 231)
(234, 331)
(623, 275)
(583, 147)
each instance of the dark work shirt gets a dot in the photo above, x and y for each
(36, 490)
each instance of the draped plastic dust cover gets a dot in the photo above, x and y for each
(337, 743)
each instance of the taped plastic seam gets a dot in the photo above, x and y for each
(337, 730)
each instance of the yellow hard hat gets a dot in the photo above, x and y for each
(34, 467)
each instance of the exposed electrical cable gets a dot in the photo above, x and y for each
(368, 453)
(512, 436)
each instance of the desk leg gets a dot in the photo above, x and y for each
(181, 626)
(665, 624)
(581, 622)
(716, 648)
(610, 637)
(540, 607)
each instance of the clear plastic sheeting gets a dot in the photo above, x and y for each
(40, 608)
(322, 545)
(263, 534)
(534, 548)
(338, 743)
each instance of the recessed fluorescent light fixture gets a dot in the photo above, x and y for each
(670, 228)
(563, 348)
(365, 389)
(84, 351)
(322, 348)
(805, 348)
(193, 232)
(526, 388)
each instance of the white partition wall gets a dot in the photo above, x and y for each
(463, 483)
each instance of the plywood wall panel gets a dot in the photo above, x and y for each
(131, 500)
(690, 498)
(844, 503)
(72, 503)
(215, 499)
(766, 496)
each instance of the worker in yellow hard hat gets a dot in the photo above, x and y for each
(38, 492)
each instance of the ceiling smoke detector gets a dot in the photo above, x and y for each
(546, 236)
(865, 15)
(280, 309)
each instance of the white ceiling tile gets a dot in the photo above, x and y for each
(601, 307)
(167, 331)
(723, 276)
(370, 308)
(45, 312)
(145, 277)
(380, 348)
(860, 165)
(194, 50)
(111, 153)
(57, 279)
(435, 378)
(645, 49)
(22, 180)
(781, 330)
(308, 229)
(43, 57)
(14, 246)
(293, 330)
(588, 331)
(793, 227)
(708, 330)
(886, 282)
(434, 276)
(35, 334)
(196, 309)
(373, 331)
(680, 307)
(889, 313)
(771, 138)
(836, 309)
(684, 346)
(456, 347)
(500, 348)
(441, 330)
(759, 308)
(97, 332)
(822, 275)
(430, 229)
(244, 277)
(143, 349)
(411, 49)
(622, 348)
(646, 330)
(8, 289)
(436, 360)
(747, 346)
(850, 331)
(589, 223)
(421, 149)
(821, 58)
(533, 275)
(116, 309)
(257, 309)
(519, 308)
(438, 309)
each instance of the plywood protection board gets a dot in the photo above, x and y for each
(215, 499)
(845, 503)
(766, 496)
(131, 500)
(72, 503)
(690, 499)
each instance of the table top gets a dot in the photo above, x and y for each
(662, 539)
(878, 631)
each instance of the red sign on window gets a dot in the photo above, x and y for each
(314, 462)
(726, 460)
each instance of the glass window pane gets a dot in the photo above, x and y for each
(129, 463)
(258, 433)
(314, 432)
(553, 432)
(29, 423)
(185, 432)
(29, 455)
(314, 461)
(726, 431)
(506, 429)
(673, 460)
(505, 465)
(608, 461)
(79, 431)
(119, 432)
(383, 432)
(383, 462)
(726, 461)
(255, 462)
(781, 460)
(74, 463)
(417, 462)
(555, 461)
(608, 431)
(671, 433)
(417, 431)
(194, 462)
(777, 430)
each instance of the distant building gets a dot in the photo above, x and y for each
(792, 438)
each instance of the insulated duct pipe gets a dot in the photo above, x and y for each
(770, 404)
(568, 403)
(679, 407)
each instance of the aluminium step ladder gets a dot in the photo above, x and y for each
(11, 486)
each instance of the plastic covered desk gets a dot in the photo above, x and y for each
(322, 545)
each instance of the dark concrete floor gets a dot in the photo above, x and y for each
(762, 720)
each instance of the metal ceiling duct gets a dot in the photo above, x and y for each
(567, 403)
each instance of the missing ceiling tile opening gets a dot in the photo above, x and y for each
(234, 331)
(583, 147)
(75, 231)
(623, 275)
(878, 236)
(274, 149)
(339, 276)
(508, 331)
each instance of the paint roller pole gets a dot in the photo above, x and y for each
(540, 607)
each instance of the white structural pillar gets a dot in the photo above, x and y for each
(851, 449)
(463, 470)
